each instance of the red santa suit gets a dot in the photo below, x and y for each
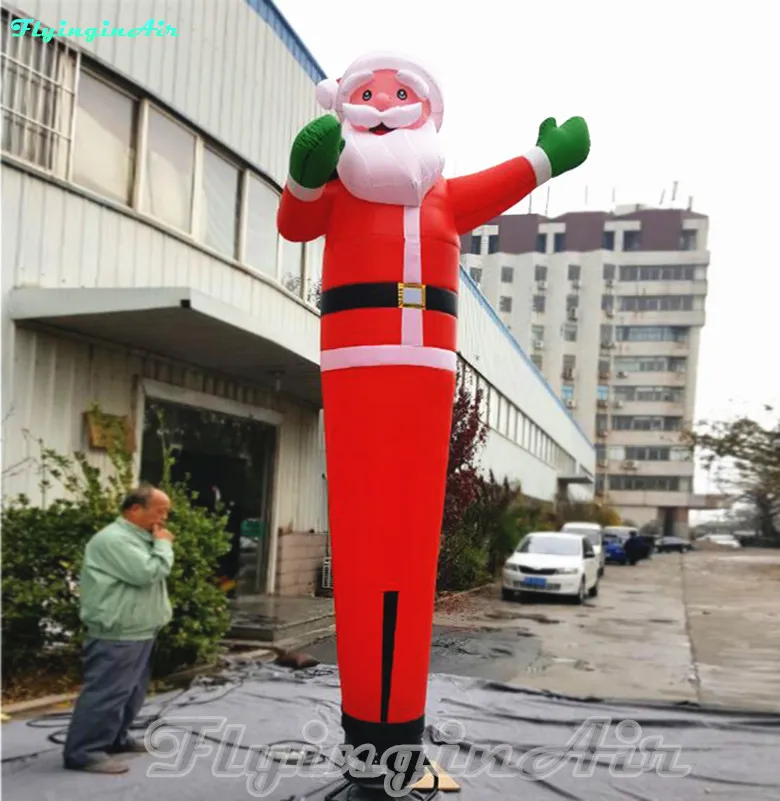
(388, 359)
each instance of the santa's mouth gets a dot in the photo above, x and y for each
(380, 129)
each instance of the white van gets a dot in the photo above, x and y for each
(595, 534)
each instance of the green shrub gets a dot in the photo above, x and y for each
(43, 547)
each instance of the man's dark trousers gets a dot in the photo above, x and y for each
(116, 677)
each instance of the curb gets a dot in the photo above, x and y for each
(461, 593)
(37, 703)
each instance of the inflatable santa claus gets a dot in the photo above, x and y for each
(369, 179)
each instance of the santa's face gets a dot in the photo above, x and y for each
(392, 152)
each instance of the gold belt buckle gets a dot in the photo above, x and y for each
(411, 296)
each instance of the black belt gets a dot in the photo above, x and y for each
(389, 295)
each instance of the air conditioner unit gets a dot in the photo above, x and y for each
(618, 404)
(568, 373)
(603, 463)
(541, 285)
(622, 374)
(575, 285)
(605, 376)
(629, 465)
(538, 344)
(601, 403)
(573, 315)
(610, 283)
(570, 404)
(607, 345)
(601, 433)
(609, 313)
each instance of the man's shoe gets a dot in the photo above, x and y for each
(105, 766)
(130, 747)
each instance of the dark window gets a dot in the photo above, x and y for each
(650, 483)
(493, 243)
(570, 332)
(537, 360)
(688, 240)
(476, 245)
(631, 240)
(601, 422)
(569, 361)
(574, 272)
(507, 275)
(609, 272)
(608, 240)
(601, 452)
(608, 302)
(656, 303)
(541, 243)
(607, 334)
(572, 301)
(539, 303)
(600, 485)
(603, 368)
(629, 273)
(505, 304)
(559, 243)
(476, 273)
(540, 272)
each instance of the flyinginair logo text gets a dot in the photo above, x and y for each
(34, 27)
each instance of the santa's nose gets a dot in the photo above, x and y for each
(382, 101)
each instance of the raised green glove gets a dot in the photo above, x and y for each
(566, 147)
(315, 152)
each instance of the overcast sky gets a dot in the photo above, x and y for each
(672, 91)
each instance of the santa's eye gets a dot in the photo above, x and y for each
(401, 94)
(367, 95)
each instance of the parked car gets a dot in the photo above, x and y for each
(673, 545)
(642, 548)
(726, 540)
(595, 534)
(613, 550)
(553, 563)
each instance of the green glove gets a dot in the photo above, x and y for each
(316, 151)
(566, 147)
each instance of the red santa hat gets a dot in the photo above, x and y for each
(332, 93)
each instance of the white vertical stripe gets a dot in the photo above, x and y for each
(540, 163)
(412, 319)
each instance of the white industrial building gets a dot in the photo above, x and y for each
(142, 268)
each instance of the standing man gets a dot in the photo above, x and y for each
(124, 604)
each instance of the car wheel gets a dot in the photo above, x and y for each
(579, 598)
(507, 595)
(594, 590)
(601, 572)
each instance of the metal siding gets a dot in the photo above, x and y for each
(508, 460)
(58, 379)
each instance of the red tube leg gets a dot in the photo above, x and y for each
(387, 433)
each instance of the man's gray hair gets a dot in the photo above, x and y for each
(138, 496)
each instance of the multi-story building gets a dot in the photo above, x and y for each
(610, 306)
(142, 271)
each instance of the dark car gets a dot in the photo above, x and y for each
(639, 547)
(673, 545)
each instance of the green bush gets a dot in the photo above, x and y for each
(43, 547)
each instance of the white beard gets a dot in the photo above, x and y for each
(398, 168)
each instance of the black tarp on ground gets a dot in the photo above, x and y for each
(623, 753)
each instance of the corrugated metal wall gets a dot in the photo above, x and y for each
(227, 70)
(57, 380)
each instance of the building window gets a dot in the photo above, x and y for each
(651, 364)
(606, 334)
(627, 422)
(476, 246)
(476, 274)
(600, 485)
(655, 303)
(602, 392)
(220, 203)
(104, 142)
(507, 275)
(572, 301)
(688, 240)
(603, 369)
(540, 303)
(570, 332)
(37, 98)
(608, 303)
(652, 333)
(540, 272)
(536, 358)
(650, 483)
(574, 272)
(541, 243)
(601, 422)
(631, 240)
(569, 361)
(169, 171)
(493, 243)
(292, 266)
(609, 272)
(608, 240)
(493, 404)
(537, 333)
(647, 454)
(658, 272)
(567, 392)
(505, 304)
(261, 234)
(559, 243)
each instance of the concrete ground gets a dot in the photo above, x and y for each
(703, 627)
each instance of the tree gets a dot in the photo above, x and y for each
(749, 454)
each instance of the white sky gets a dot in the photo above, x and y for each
(672, 91)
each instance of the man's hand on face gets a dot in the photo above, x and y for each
(160, 533)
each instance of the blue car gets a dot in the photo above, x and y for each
(614, 553)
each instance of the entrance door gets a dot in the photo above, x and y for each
(226, 460)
